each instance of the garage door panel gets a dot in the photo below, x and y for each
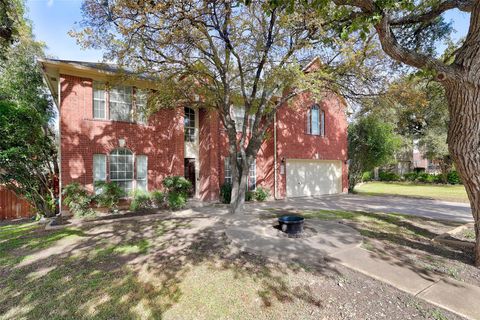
(313, 177)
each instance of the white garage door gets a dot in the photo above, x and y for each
(313, 177)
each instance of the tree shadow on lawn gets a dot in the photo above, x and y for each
(127, 269)
(397, 237)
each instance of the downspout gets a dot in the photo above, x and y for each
(60, 198)
(275, 156)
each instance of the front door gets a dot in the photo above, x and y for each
(190, 173)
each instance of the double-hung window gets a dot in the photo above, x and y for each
(141, 97)
(142, 173)
(189, 125)
(99, 100)
(120, 103)
(121, 169)
(238, 115)
(316, 121)
(99, 169)
(252, 174)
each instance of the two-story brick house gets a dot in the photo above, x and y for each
(104, 135)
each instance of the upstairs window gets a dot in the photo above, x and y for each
(189, 125)
(141, 97)
(99, 94)
(238, 115)
(120, 103)
(316, 121)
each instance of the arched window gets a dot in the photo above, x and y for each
(189, 125)
(121, 168)
(316, 121)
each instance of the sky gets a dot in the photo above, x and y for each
(52, 19)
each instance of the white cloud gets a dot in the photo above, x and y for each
(49, 3)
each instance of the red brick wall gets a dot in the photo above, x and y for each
(294, 142)
(209, 155)
(82, 137)
(162, 140)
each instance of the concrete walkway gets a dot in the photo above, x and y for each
(455, 296)
(435, 209)
(337, 243)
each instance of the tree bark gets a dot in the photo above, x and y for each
(239, 184)
(464, 143)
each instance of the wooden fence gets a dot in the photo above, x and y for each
(12, 206)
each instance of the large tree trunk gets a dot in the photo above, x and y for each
(239, 184)
(464, 142)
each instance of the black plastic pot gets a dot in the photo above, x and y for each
(292, 225)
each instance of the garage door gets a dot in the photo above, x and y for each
(313, 177)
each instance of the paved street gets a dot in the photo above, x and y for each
(395, 204)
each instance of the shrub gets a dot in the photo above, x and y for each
(109, 194)
(176, 200)
(438, 178)
(367, 176)
(426, 177)
(411, 176)
(177, 191)
(158, 198)
(141, 200)
(388, 176)
(261, 194)
(226, 193)
(453, 177)
(249, 195)
(177, 184)
(77, 199)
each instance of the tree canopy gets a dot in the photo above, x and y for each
(224, 54)
(371, 143)
(27, 149)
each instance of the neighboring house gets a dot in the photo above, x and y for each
(410, 160)
(104, 135)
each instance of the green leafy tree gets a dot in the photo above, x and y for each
(371, 143)
(418, 109)
(223, 54)
(11, 23)
(28, 154)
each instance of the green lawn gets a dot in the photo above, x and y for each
(455, 193)
(176, 268)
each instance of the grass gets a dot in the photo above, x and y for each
(138, 270)
(181, 268)
(454, 193)
(408, 238)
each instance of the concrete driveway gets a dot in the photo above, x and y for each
(395, 204)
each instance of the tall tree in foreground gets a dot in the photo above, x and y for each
(408, 31)
(223, 54)
(28, 155)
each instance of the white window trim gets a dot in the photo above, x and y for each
(121, 102)
(228, 173)
(136, 171)
(99, 84)
(320, 121)
(133, 169)
(104, 178)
